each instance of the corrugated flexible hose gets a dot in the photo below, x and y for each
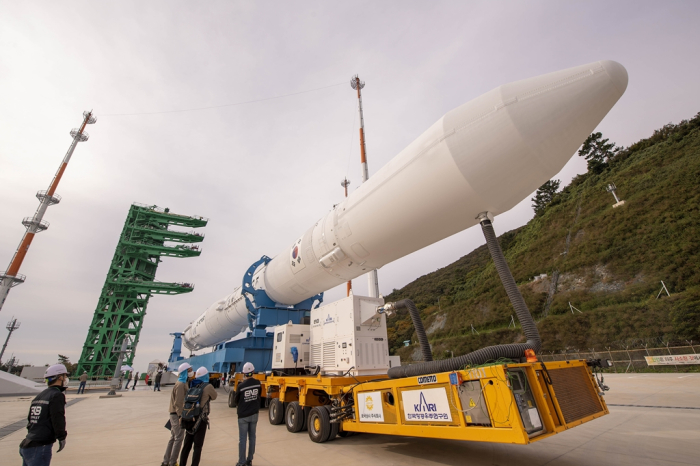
(418, 325)
(491, 353)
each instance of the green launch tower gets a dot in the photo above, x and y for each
(131, 282)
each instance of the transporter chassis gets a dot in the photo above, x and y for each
(503, 403)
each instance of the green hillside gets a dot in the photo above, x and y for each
(608, 263)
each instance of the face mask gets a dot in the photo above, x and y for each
(65, 381)
(190, 374)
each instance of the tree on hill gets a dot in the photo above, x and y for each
(544, 195)
(65, 360)
(598, 152)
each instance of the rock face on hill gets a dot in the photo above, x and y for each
(590, 273)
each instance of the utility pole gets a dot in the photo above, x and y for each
(11, 327)
(355, 83)
(345, 183)
(11, 277)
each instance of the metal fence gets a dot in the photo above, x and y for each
(625, 360)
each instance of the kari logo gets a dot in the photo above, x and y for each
(426, 406)
(423, 405)
(329, 320)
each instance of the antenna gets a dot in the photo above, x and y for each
(345, 183)
(11, 277)
(11, 327)
(355, 83)
(611, 188)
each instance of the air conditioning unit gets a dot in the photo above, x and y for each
(350, 335)
(289, 340)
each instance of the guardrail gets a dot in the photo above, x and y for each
(626, 360)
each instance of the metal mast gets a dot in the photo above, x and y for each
(11, 277)
(355, 83)
(345, 183)
(11, 327)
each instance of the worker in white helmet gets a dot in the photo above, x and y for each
(46, 420)
(177, 402)
(248, 395)
(195, 416)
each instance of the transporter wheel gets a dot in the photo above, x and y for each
(276, 412)
(294, 417)
(335, 428)
(319, 424)
(307, 410)
(232, 399)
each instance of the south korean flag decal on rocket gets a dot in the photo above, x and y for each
(295, 259)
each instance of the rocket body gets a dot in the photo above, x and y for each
(486, 155)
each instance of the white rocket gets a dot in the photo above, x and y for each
(486, 155)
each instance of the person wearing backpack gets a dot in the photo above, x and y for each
(177, 403)
(248, 395)
(195, 415)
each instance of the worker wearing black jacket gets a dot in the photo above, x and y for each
(248, 401)
(46, 421)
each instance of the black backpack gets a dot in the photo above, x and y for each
(192, 408)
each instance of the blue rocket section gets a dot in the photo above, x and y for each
(256, 347)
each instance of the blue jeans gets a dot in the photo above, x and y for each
(82, 387)
(156, 386)
(36, 456)
(246, 428)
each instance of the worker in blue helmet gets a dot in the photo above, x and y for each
(46, 421)
(248, 395)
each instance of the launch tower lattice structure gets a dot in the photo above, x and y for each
(131, 282)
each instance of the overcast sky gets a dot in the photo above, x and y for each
(264, 172)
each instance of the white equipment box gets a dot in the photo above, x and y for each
(287, 337)
(350, 333)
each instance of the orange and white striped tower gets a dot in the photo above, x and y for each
(355, 83)
(37, 224)
(345, 183)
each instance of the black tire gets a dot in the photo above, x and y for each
(276, 412)
(307, 410)
(232, 399)
(319, 424)
(334, 431)
(294, 417)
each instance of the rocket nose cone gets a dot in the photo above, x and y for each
(617, 73)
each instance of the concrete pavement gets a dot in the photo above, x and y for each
(633, 434)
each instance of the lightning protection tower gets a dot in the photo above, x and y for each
(11, 327)
(355, 83)
(131, 282)
(11, 277)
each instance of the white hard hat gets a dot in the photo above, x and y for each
(56, 369)
(183, 367)
(201, 371)
(248, 368)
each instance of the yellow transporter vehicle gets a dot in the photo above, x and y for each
(495, 394)
(506, 403)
